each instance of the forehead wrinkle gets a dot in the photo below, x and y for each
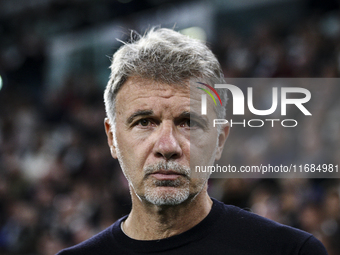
(135, 93)
(140, 83)
(153, 94)
(160, 108)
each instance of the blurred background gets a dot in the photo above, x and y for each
(58, 182)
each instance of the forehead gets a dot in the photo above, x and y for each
(139, 92)
(136, 86)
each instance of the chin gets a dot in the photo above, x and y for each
(162, 196)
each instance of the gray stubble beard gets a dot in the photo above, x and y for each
(177, 195)
(160, 198)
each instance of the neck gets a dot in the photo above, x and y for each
(151, 222)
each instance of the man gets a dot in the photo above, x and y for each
(155, 129)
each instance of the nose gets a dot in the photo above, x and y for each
(167, 145)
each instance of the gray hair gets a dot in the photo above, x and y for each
(163, 55)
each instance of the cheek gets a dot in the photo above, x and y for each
(185, 146)
(128, 148)
(202, 148)
(134, 150)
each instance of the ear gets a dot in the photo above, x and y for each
(222, 137)
(110, 137)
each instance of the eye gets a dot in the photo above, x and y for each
(143, 122)
(190, 123)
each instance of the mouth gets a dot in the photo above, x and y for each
(166, 175)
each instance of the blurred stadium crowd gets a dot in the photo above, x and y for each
(59, 184)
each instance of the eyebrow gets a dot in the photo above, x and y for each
(137, 114)
(185, 114)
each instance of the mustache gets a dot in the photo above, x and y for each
(167, 166)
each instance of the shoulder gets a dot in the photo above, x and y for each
(256, 231)
(102, 242)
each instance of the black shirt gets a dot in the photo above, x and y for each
(226, 230)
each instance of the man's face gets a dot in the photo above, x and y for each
(159, 133)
